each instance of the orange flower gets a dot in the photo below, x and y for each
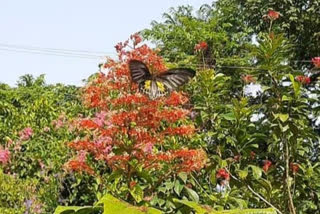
(176, 99)
(79, 166)
(89, 124)
(182, 131)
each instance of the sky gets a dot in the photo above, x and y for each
(94, 26)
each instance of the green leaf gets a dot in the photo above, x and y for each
(242, 174)
(183, 176)
(284, 117)
(213, 178)
(113, 205)
(257, 172)
(194, 205)
(75, 209)
(199, 209)
(285, 98)
(229, 116)
(137, 193)
(193, 195)
(178, 187)
(296, 86)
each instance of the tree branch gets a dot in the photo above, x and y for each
(258, 195)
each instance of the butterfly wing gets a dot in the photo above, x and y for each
(173, 78)
(139, 71)
(161, 84)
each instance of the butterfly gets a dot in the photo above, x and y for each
(158, 85)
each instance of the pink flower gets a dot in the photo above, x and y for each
(148, 148)
(26, 133)
(316, 61)
(57, 124)
(4, 156)
(82, 156)
(100, 118)
(107, 150)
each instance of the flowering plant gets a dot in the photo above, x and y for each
(131, 134)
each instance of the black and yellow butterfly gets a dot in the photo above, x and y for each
(158, 85)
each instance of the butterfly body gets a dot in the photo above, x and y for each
(158, 85)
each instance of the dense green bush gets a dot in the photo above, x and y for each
(258, 148)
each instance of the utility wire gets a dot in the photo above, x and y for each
(85, 54)
(91, 53)
(95, 57)
(48, 53)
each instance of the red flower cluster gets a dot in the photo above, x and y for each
(316, 61)
(79, 164)
(201, 46)
(136, 38)
(182, 131)
(266, 165)
(222, 173)
(130, 99)
(173, 115)
(183, 160)
(303, 79)
(130, 126)
(273, 15)
(176, 99)
(89, 124)
(190, 160)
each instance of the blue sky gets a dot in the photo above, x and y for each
(94, 25)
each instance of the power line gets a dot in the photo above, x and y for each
(45, 49)
(92, 57)
(86, 54)
(50, 54)
(93, 53)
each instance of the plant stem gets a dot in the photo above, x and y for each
(291, 205)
